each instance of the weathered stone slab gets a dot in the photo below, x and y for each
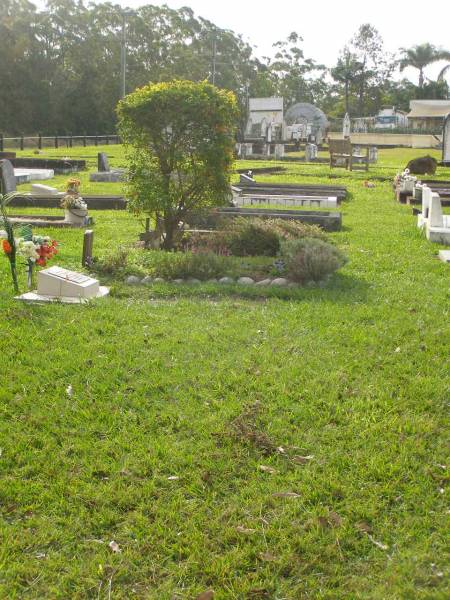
(7, 178)
(107, 177)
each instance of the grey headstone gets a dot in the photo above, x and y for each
(246, 178)
(8, 180)
(102, 162)
(446, 141)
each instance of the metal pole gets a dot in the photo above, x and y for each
(123, 56)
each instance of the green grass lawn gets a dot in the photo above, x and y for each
(192, 407)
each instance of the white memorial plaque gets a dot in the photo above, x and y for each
(62, 283)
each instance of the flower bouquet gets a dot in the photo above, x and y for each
(35, 249)
(73, 204)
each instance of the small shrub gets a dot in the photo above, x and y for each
(310, 259)
(180, 265)
(250, 238)
(291, 230)
(112, 263)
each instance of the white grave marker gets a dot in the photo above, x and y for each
(67, 286)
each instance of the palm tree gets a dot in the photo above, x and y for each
(442, 74)
(421, 56)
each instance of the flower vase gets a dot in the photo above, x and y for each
(75, 216)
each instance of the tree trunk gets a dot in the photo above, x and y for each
(421, 78)
(346, 96)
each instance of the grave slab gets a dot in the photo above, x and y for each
(59, 282)
(35, 297)
(34, 174)
(444, 256)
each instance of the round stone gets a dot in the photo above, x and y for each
(158, 280)
(264, 282)
(226, 280)
(147, 280)
(178, 281)
(193, 281)
(245, 281)
(133, 280)
(280, 281)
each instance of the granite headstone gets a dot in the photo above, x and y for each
(8, 179)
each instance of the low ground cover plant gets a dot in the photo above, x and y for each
(310, 259)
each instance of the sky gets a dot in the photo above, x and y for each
(325, 25)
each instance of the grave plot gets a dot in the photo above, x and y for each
(61, 285)
(248, 186)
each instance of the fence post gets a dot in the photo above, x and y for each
(84, 141)
(71, 141)
(2, 145)
(40, 141)
(56, 142)
(88, 242)
(21, 142)
(107, 140)
(96, 140)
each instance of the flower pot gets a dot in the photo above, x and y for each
(75, 216)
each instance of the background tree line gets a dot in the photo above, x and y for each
(60, 67)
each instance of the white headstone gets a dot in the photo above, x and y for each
(435, 215)
(346, 126)
(38, 189)
(59, 283)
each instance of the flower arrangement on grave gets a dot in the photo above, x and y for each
(72, 199)
(37, 250)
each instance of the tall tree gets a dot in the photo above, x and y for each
(420, 57)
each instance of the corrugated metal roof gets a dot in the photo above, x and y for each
(269, 104)
(429, 108)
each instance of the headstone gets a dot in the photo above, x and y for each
(373, 154)
(102, 162)
(310, 152)
(57, 282)
(34, 174)
(346, 126)
(107, 176)
(435, 215)
(279, 151)
(88, 243)
(38, 189)
(446, 142)
(246, 178)
(8, 179)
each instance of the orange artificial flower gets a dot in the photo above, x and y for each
(6, 247)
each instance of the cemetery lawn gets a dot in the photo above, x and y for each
(285, 446)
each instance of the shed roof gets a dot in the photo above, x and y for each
(429, 108)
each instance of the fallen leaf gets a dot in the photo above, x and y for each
(364, 527)
(69, 391)
(242, 529)
(281, 450)
(398, 349)
(266, 469)
(208, 595)
(334, 519)
(173, 478)
(302, 460)
(267, 557)
(114, 546)
(286, 495)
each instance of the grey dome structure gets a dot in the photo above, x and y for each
(304, 112)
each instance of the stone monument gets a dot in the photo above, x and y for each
(446, 142)
(346, 126)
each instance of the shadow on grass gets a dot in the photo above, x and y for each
(340, 289)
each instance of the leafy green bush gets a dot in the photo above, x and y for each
(310, 259)
(290, 229)
(249, 238)
(182, 265)
(112, 263)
